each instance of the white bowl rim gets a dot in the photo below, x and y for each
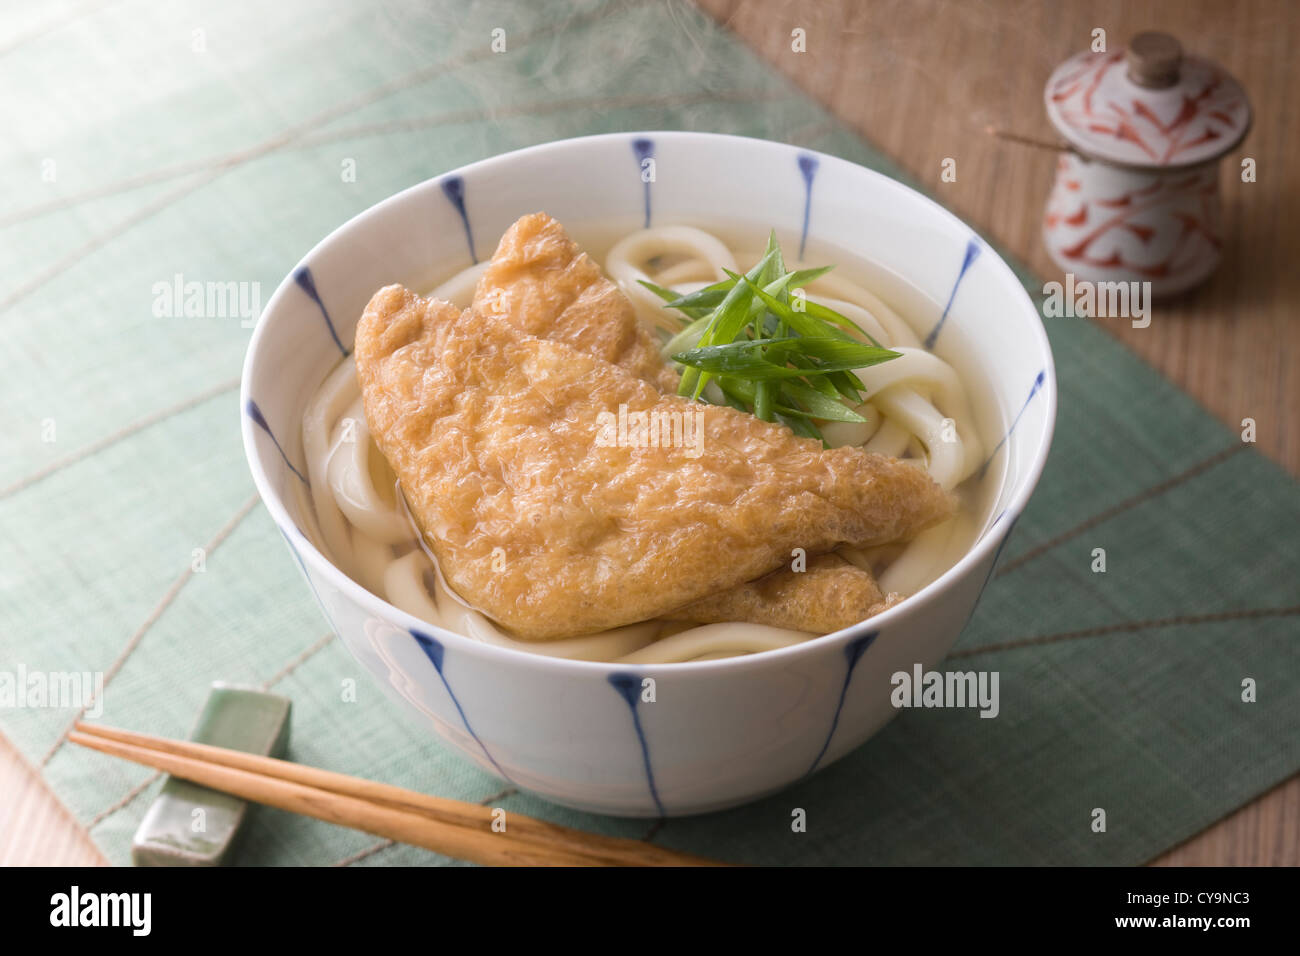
(377, 606)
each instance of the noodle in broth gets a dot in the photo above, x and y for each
(915, 408)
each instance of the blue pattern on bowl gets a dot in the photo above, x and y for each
(808, 168)
(259, 420)
(644, 149)
(307, 282)
(453, 187)
(1039, 381)
(628, 686)
(853, 652)
(972, 253)
(434, 650)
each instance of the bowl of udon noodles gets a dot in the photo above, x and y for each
(636, 466)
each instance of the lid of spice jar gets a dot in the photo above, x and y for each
(1148, 106)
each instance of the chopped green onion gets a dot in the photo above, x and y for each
(786, 361)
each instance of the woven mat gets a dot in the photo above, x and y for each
(145, 143)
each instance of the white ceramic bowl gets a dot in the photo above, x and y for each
(718, 733)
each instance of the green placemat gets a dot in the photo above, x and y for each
(145, 142)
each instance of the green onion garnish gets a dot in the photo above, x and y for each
(784, 358)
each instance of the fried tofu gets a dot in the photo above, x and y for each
(829, 595)
(542, 283)
(496, 437)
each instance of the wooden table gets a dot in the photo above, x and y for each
(922, 79)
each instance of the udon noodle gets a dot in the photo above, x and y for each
(915, 408)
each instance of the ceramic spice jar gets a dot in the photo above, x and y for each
(1136, 197)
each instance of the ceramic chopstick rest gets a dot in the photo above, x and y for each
(190, 825)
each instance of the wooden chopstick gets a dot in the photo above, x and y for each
(451, 827)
